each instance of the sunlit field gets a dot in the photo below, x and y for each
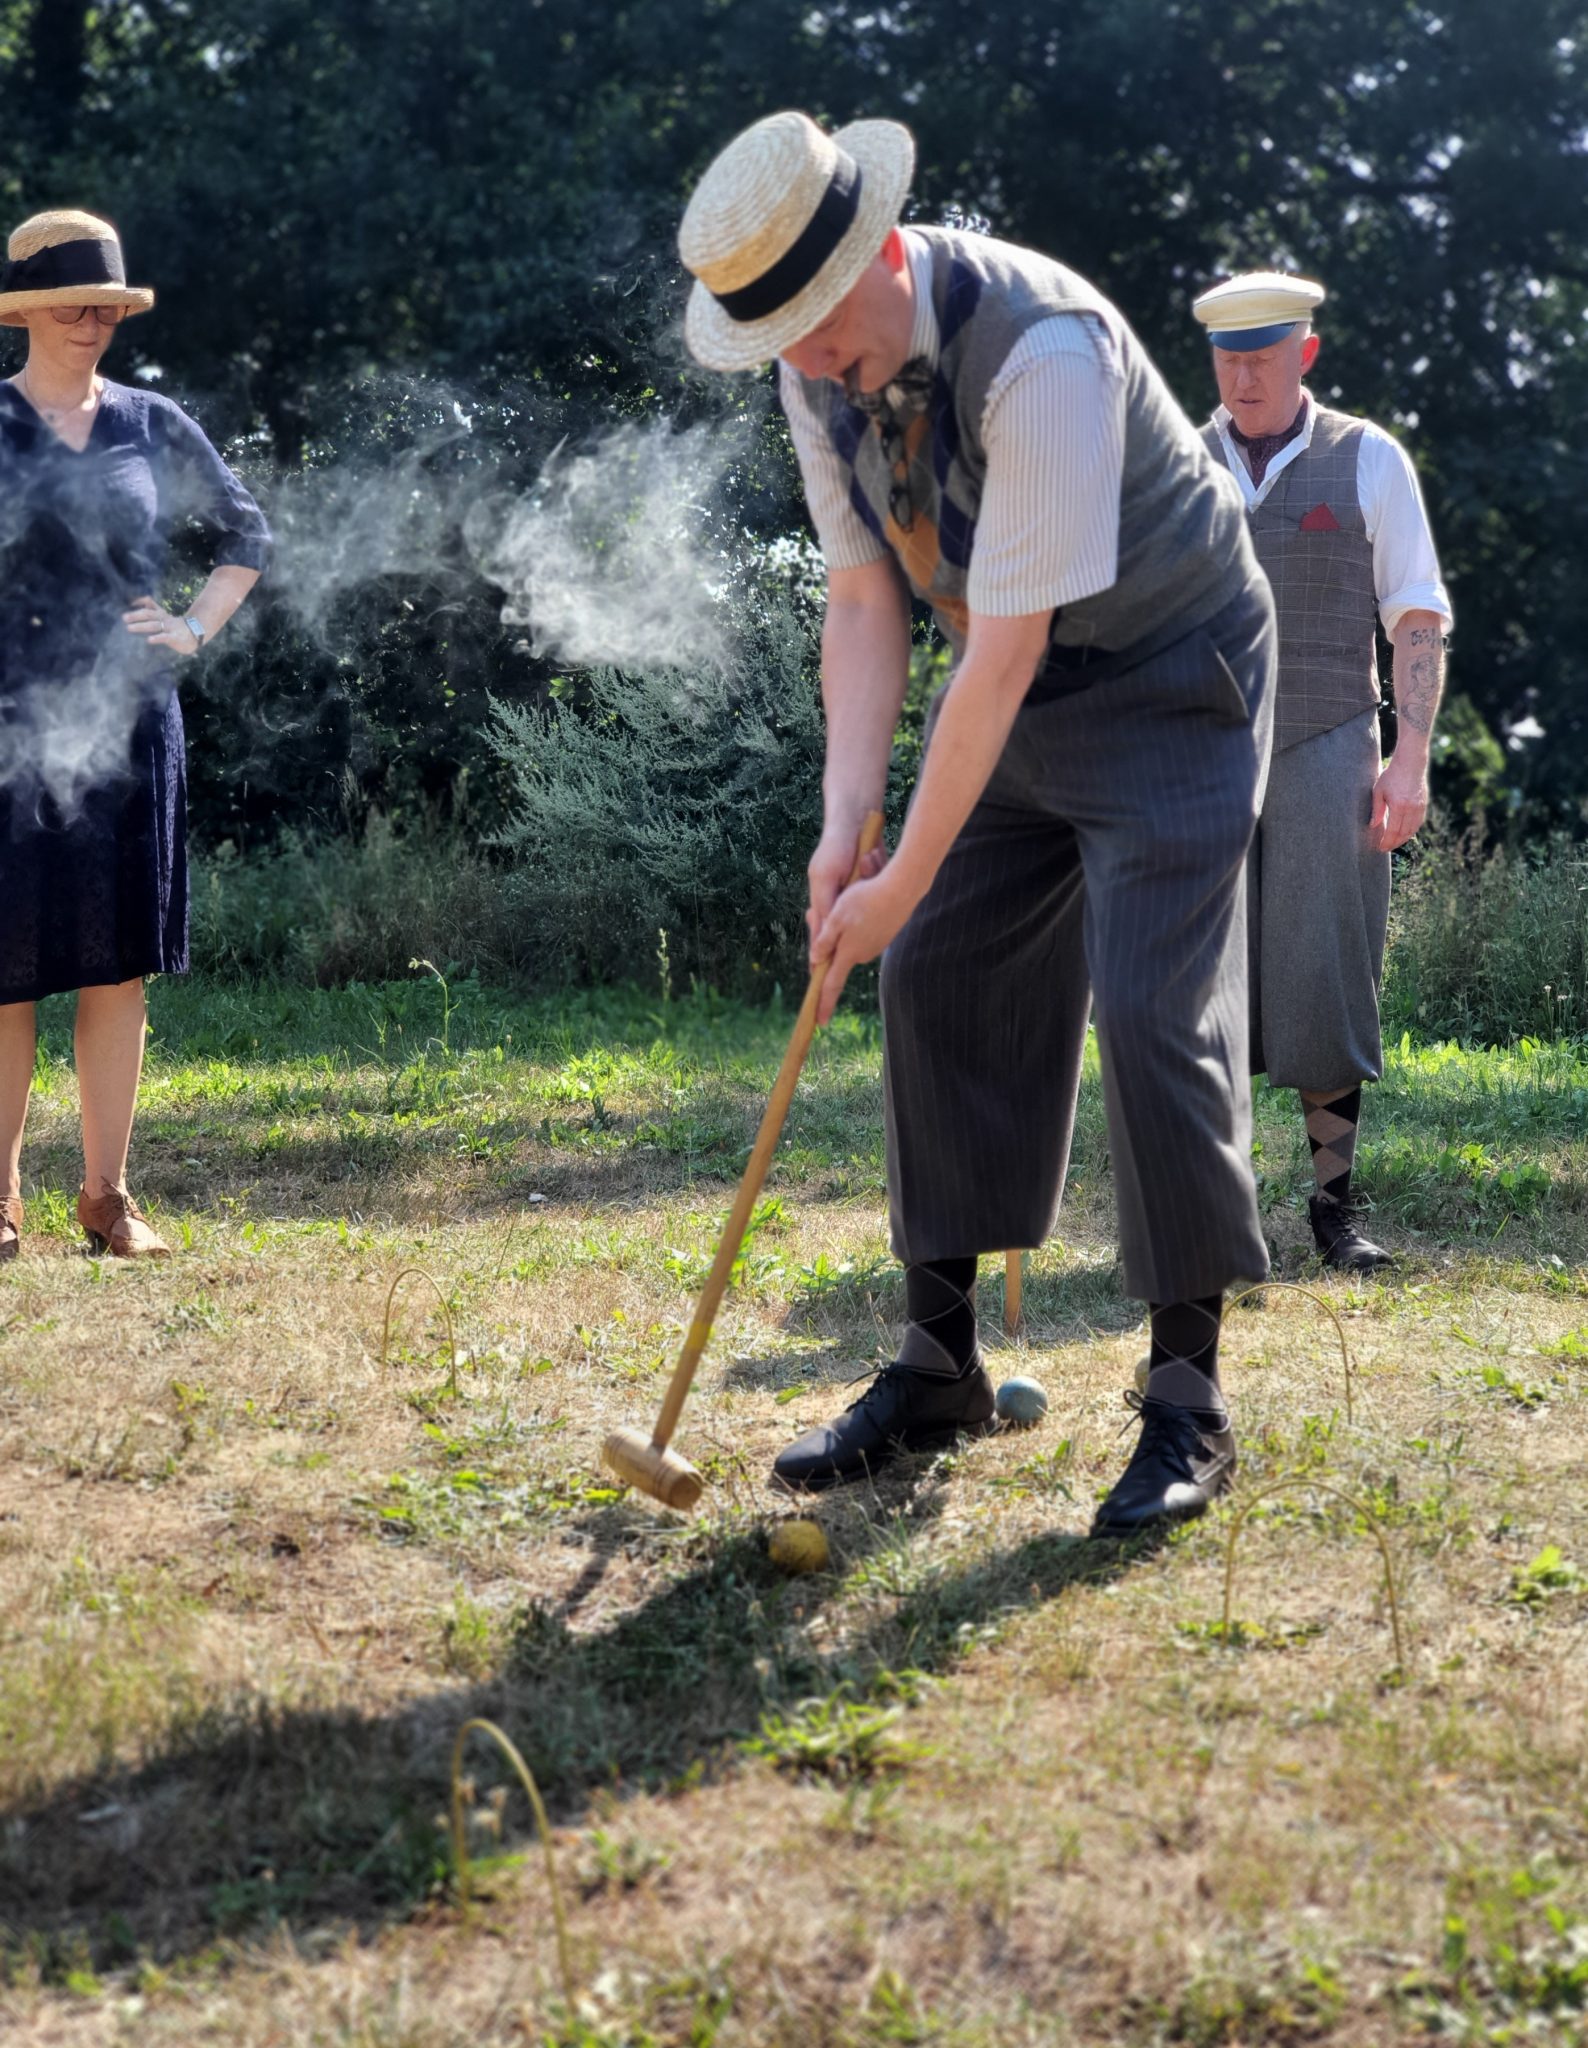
(277, 1518)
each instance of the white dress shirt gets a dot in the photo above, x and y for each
(1405, 565)
(1053, 426)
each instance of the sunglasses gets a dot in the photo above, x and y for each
(107, 316)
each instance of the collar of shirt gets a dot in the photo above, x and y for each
(1254, 494)
(925, 340)
(911, 389)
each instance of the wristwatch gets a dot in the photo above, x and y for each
(195, 627)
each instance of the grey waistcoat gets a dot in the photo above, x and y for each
(1183, 548)
(1312, 541)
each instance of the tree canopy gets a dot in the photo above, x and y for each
(486, 191)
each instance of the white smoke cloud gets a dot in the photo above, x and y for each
(347, 525)
(75, 735)
(619, 556)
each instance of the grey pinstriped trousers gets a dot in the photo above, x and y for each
(1104, 865)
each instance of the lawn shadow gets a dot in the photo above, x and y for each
(311, 1819)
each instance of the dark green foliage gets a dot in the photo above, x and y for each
(485, 192)
(361, 672)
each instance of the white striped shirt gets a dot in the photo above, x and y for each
(1053, 428)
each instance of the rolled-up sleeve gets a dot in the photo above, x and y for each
(1054, 433)
(846, 540)
(1406, 574)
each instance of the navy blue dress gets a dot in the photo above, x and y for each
(93, 769)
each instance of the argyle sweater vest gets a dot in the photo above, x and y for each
(1183, 550)
(1311, 540)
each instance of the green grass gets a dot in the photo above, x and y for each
(978, 1782)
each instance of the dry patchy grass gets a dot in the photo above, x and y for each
(980, 1783)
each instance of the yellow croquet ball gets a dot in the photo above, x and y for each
(798, 1547)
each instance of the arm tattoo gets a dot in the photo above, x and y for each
(1417, 687)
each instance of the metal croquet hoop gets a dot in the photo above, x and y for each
(1291, 1484)
(1292, 1287)
(419, 1273)
(460, 1845)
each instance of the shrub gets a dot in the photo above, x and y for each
(678, 802)
(354, 909)
(1489, 945)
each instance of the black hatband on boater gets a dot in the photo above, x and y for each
(90, 261)
(799, 263)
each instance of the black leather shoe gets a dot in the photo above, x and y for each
(901, 1410)
(1340, 1244)
(1178, 1467)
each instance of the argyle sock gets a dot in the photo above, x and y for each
(940, 1300)
(1331, 1132)
(1183, 1365)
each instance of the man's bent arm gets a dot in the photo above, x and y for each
(979, 709)
(1400, 797)
(865, 673)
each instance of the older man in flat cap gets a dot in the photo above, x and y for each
(1339, 526)
(978, 428)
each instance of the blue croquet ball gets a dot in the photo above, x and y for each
(1022, 1403)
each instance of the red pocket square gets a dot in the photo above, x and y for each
(1320, 520)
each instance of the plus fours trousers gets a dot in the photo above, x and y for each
(1104, 867)
(1318, 914)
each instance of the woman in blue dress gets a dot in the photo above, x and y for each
(94, 477)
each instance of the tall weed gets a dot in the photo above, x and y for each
(355, 908)
(1489, 945)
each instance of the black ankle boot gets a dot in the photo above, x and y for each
(1178, 1467)
(902, 1410)
(1340, 1244)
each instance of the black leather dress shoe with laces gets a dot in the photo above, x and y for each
(902, 1410)
(1340, 1244)
(1177, 1469)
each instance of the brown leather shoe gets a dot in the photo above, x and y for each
(115, 1224)
(10, 1226)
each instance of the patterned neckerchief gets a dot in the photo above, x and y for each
(892, 410)
(903, 397)
(1262, 448)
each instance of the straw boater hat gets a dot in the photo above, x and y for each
(781, 228)
(66, 259)
(1255, 311)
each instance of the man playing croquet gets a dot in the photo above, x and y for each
(976, 425)
(1340, 528)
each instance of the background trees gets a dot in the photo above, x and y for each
(358, 213)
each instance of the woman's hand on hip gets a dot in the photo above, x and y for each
(160, 628)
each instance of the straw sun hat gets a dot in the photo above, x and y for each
(781, 227)
(66, 259)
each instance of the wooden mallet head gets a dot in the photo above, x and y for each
(652, 1468)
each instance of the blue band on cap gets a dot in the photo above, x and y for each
(1242, 340)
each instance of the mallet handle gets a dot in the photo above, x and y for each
(754, 1176)
(1012, 1276)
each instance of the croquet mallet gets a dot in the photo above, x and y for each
(649, 1464)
